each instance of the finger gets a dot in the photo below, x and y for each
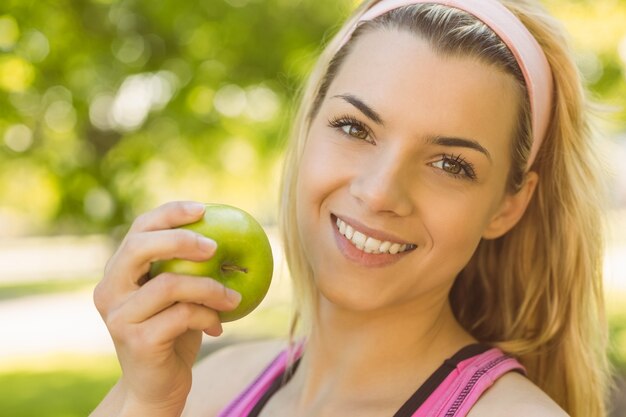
(138, 250)
(167, 289)
(168, 216)
(178, 319)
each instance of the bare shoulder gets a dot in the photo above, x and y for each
(219, 377)
(519, 397)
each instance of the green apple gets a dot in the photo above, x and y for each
(243, 260)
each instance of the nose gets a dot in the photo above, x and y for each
(382, 186)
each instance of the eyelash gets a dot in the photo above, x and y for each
(466, 166)
(346, 120)
(342, 121)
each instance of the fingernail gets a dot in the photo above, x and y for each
(206, 245)
(213, 332)
(194, 208)
(233, 296)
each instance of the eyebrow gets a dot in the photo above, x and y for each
(365, 109)
(459, 142)
(434, 140)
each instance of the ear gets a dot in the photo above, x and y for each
(512, 208)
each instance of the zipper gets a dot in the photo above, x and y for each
(471, 383)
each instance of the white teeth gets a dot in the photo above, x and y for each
(372, 245)
(369, 244)
(359, 240)
(395, 248)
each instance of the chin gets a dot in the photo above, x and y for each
(356, 293)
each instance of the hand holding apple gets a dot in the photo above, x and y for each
(243, 260)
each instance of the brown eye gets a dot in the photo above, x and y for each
(451, 166)
(352, 128)
(456, 167)
(356, 131)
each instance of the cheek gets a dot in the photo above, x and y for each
(320, 171)
(312, 174)
(317, 179)
(456, 223)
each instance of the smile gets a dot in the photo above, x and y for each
(369, 244)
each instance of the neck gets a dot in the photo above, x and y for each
(344, 354)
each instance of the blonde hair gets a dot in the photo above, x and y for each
(535, 292)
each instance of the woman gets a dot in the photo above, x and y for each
(437, 224)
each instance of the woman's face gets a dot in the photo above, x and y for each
(403, 171)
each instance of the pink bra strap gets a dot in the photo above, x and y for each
(462, 388)
(454, 397)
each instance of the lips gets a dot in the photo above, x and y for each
(363, 241)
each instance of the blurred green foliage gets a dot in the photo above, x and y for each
(617, 331)
(110, 107)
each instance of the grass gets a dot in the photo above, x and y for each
(59, 386)
(53, 386)
(17, 290)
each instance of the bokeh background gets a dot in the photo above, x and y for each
(109, 108)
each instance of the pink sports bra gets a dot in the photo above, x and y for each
(450, 391)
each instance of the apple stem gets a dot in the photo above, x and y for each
(234, 268)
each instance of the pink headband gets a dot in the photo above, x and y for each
(513, 33)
